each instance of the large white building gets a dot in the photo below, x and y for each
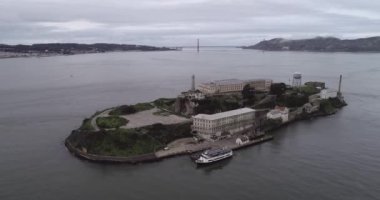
(260, 84)
(234, 85)
(231, 121)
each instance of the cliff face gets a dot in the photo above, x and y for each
(320, 44)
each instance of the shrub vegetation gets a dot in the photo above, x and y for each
(326, 107)
(131, 109)
(86, 125)
(129, 142)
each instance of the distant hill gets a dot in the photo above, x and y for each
(320, 44)
(49, 49)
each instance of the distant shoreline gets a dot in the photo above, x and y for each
(319, 44)
(309, 51)
(57, 49)
(34, 55)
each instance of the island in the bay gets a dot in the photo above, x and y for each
(53, 49)
(319, 44)
(226, 114)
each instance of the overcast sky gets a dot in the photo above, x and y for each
(180, 22)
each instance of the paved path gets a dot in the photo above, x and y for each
(102, 114)
(189, 145)
(181, 146)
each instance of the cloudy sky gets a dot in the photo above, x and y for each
(180, 22)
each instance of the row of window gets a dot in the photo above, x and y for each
(219, 124)
(213, 130)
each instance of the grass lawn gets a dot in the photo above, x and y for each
(111, 122)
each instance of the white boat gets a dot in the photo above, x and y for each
(214, 155)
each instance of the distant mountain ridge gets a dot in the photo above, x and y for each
(320, 44)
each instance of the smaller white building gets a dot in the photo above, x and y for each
(328, 93)
(279, 113)
(242, 140)
(311, 107)
(196, 94)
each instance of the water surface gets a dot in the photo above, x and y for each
(43, 99)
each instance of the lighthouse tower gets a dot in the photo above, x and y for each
(297, 79)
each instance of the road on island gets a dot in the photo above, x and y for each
(102, 114)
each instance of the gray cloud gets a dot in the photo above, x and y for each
(180, 22)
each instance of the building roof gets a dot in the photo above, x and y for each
(254, 80)
(225, 82)
(280, 108)
(224, 114)
(234, 81)
(274, 112)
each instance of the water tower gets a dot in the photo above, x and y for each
(297, 79)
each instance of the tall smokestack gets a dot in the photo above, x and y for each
(340, 83)
(193, 83)
(340, 86)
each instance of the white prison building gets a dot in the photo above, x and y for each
(260, 84)
(231, 121)
(234, 85)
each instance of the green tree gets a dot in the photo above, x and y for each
(278, 89)
(248, 92)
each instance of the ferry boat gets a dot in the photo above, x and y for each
(214, 155)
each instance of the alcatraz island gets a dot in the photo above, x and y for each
(229, 113)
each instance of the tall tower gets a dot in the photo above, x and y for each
(193, 82)
(297, 79)
(198, 45)
(340, 86)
